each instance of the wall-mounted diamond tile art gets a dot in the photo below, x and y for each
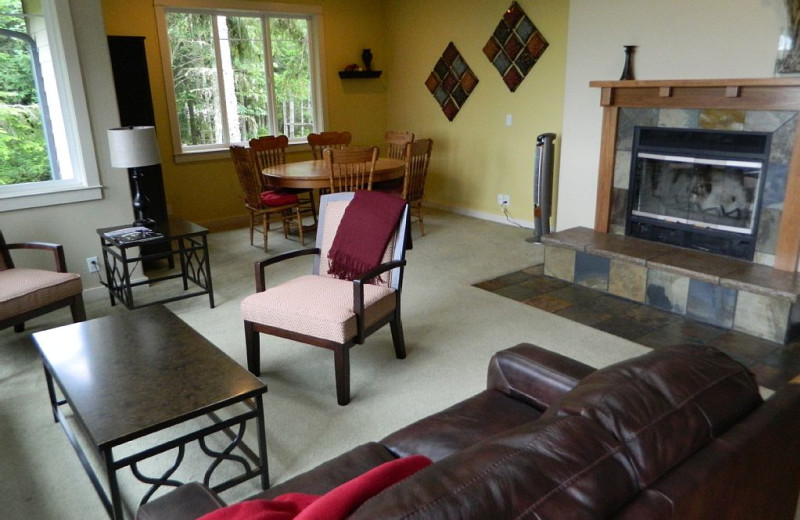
(515, 46)
(451, 81)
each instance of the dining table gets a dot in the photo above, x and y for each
(313, 174)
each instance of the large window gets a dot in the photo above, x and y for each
(42, 109)
(237, 74)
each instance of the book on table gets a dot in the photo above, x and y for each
(132, 234)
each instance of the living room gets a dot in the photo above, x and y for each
(477, 155)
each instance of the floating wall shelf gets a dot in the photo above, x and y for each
(359, 74)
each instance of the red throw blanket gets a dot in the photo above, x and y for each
(364, 232)
(337, 504)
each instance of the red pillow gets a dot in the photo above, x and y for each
(336, 504)
(278, 198)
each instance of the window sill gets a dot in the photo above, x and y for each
(223, 153)
(12, 202)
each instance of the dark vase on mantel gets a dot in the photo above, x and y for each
(627, 70)
(366, 57)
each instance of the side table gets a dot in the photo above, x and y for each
(185, 239)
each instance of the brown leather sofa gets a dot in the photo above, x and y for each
(679, 433)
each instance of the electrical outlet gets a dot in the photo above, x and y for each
(503, 199)
(92, 264)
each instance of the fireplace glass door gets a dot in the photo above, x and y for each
(697, 189)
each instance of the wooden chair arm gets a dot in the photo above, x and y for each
(261, 265)
(358, 291)
(56, 249)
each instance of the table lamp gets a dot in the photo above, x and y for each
(135, 147)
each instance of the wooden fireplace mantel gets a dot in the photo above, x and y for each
(720, 94)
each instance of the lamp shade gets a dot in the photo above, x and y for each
(133, 146)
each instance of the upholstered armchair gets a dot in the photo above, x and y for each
(331, 308)
(26, 293)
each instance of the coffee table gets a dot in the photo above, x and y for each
(128, 375)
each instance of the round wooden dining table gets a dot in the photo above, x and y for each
(313, 174)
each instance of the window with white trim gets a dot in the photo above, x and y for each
(234, 74)
(46, 151)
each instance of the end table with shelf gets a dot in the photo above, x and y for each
(184, 239)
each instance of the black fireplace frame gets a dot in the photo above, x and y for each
(701, 144)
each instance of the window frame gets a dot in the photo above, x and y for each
(239, 8)
(71, 105)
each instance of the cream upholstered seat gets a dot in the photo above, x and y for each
(322, 310)
(26, 293)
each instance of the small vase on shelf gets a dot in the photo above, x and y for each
(366, 57)
(627, 70)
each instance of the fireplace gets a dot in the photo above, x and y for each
(699, 189)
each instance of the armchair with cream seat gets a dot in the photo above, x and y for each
(337, 311)
(26, 293)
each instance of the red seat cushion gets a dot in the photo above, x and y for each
(278, 198)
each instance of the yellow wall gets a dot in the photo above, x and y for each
(207, 191)
(475, 157)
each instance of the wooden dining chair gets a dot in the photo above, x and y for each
(396, 142)
(350, 169)
(417, 158)
(270, 150)
(266, 206)
(318, 142)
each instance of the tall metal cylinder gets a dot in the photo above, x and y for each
(543, 185)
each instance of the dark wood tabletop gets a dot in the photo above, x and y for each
(130, 374)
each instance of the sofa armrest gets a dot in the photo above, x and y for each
(187, 502)
(534, 375)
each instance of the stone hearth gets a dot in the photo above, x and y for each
(733, 294)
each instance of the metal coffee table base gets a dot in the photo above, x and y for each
(254, 467)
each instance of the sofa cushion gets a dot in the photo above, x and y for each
(665, 405)
(460, 426)
(568, 467)
(332, 473)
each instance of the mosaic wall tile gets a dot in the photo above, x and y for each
(451, 82)
(629, 118)
(515, 46)
(559, 262)
(591, 271)
(627, 280)
(713, 119)
(711, 303)
(622, 169)
(775, 186)
(767, 120)
(619, 209)
(667, 291)
(769, 221)
(762, 316)
(678, 118)
(780, 151)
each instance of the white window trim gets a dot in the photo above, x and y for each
(316, 37)
(86, 184)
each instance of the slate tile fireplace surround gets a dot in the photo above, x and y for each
(756, 293)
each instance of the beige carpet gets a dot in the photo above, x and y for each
(451, 330)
